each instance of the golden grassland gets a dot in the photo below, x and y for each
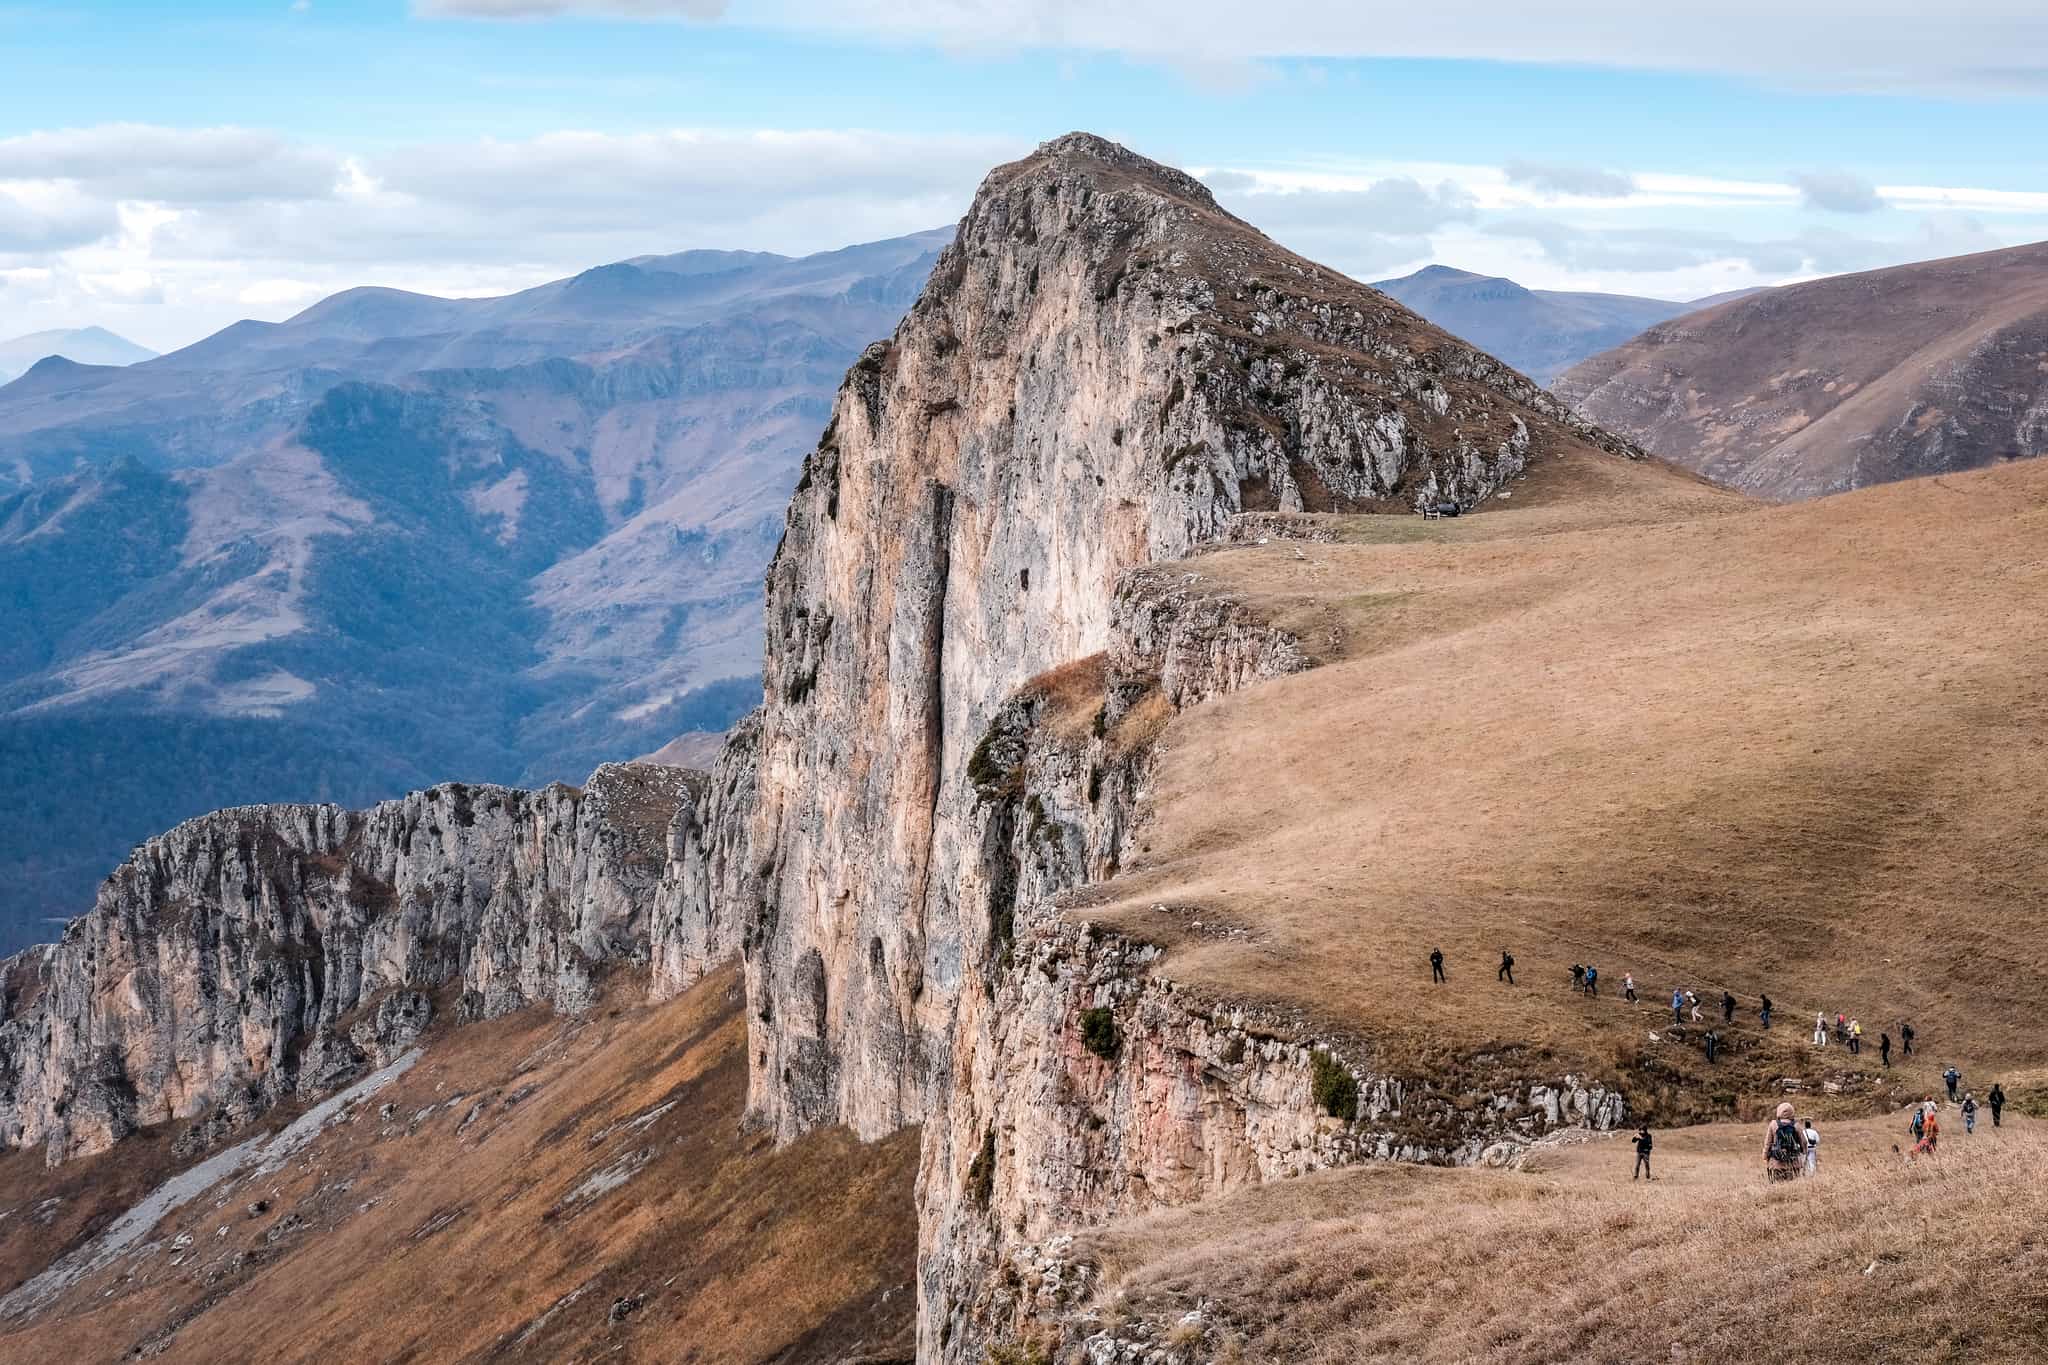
(395, 1239)
(1876, 1259)
(1631, 720)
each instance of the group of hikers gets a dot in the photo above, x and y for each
(1791, 1147)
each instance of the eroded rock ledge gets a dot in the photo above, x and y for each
(1085, 1083)
(271, 952)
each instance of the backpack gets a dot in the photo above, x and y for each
(1787, 1146)
(1919, 1122)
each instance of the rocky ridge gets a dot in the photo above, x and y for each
(967, 663)
(266, 953)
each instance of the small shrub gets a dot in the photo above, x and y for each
(1233, 1051)
(1099, 1032)
(981, 1172)
(1018, 1353)
(1334, 1088)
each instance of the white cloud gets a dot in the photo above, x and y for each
(1837, 192)
(217, 224)
(1563, 180)
(543, 9)
(165, 234)
(42, 216)
(171, 165)
(1976, 45)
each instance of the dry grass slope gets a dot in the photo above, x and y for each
(1797, 751)
(584, 1162)
(1877, 1260)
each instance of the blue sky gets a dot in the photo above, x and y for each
(166, 169)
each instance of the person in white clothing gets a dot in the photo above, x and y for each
(1812, 1149)
(1820, 1030)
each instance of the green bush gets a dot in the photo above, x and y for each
(1099, 1033)
(981, 1172)
(1334, 1088)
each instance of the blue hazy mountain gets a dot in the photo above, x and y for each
(1541, 332)
(399, 539)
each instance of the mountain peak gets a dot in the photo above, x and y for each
(1090, 155)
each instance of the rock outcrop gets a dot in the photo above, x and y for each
(1104, 369)
(268, 952)
(967, 663)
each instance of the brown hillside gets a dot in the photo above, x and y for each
(1567, 1259)
(1786, 750)
(530, 1173)
(1841, 383)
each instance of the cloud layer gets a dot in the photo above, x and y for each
(169, 233)
(1973, 45)
(165, 234)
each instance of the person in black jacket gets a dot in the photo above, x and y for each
(1507, 968)
(1727, 1007)
(1436, 964)
(1997, 1099)
(1765, 1012)
(1643, 1154)
(1884, 1048)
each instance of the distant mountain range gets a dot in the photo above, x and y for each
(399, 539)
(1541, 332)
(1843, 382)
(86, 345)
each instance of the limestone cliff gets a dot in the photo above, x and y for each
(966, 665)
(1104, 368)
(266, 952)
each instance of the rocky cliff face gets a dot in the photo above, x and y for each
(964, 676)
(1103, 370)
(266, 952)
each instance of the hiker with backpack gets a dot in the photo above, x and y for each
(1677, 1008)
(1855, 1038)
(1579, 976)
(1969, 1114)
(1997, 1098)
(1784, 1146)
(1812, 1149)
(1905, 1038)
(1592, 980)
(1820, 1029)
(1727, 1007)
(1765, 1013)
(1693, 1001)
(1642, 1154)
(1507, 968)
(1436, 964)
(1628, 987)
(1952, 1078)
(1919, 1123)
(1930, 1133)
(1884, 1049)
(1713, 1045)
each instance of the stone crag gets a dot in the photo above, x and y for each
(1104, 370)
(963, 676)
(271, 952)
